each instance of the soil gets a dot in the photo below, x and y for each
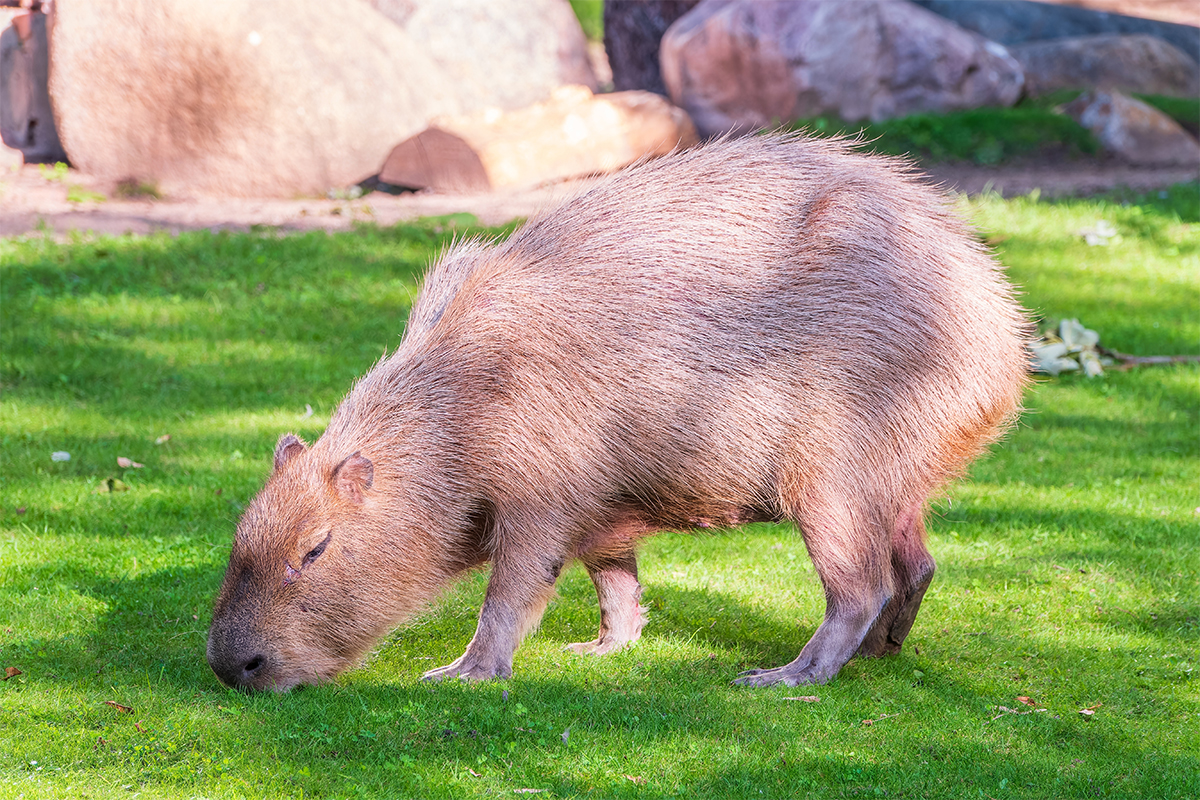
(33, 198)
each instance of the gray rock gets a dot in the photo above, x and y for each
(1012, 22)
(1134, 63)
(272, 97)
(741, 65)
(1134, 131)
(26, 117)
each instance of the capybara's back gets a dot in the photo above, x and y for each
(764, 328)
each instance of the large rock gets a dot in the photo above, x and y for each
(264, 97)
(26, 116)
(741, 65)
(1134, 131)
(500, 53)
(573, 133)
(1134, 63)
(632, 32)
(1016, 21)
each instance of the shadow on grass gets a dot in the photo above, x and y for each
(371, 731)
(148, 618)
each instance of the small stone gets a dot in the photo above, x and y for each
(1133, 130)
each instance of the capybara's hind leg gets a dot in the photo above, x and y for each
(851, 558)
(912, 571)
(621, 614)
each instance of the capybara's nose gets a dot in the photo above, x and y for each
(253, 667)
(238, 672)
(240, 664)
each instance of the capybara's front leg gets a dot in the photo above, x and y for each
(622, 616)
(521, 585)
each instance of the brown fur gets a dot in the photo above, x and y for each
(764, 328)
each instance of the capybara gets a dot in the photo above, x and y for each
(763, 328)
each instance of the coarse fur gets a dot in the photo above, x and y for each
(764, 328)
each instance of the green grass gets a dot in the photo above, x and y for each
(992, 136)
(1069, 559)
(590, 14)
(985, 136)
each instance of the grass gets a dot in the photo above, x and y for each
(991, 136)
(1069, 559)
(590, 14)
(983, 136)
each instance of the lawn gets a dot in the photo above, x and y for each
(1055, 654)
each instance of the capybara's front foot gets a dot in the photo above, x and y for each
(600, 646)
(619, 628)
(469, 668)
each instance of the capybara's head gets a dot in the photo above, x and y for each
(303, 595)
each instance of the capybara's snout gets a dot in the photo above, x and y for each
(240, 661)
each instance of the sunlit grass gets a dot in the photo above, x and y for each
(1069, 560)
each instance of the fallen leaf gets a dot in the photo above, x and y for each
(807, 698)
(1098, 235)
(1090, 710)
(111, 485)
(11, 672)
(119, 707)
(638, 779)
(138, 726)
(565, 735)
(1027, 701)
(166, 437)
(21, 510)
(474, 774)
(125, 463)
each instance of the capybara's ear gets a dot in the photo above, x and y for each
(353, 476)
(288, 447)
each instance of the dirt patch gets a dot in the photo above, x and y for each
(1058, 178)
(36, 199)
(30, 201)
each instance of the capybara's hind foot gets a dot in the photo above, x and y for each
(831, 646)
(788, 675)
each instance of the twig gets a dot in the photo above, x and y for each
(1130, 361)
(880, 719)
(1004, 710)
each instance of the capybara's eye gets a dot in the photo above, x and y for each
(315, 553)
